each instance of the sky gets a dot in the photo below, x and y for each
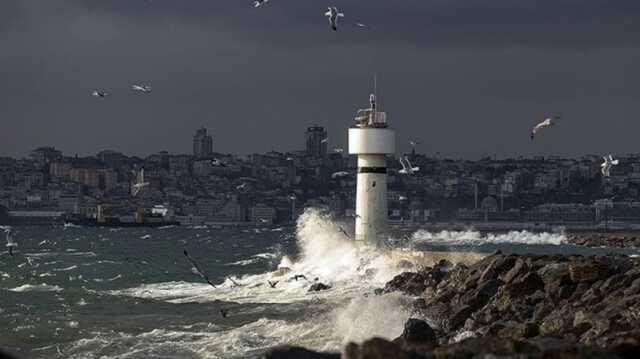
(465, 78)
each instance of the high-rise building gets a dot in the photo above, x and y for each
(202, 143)
(316, 138)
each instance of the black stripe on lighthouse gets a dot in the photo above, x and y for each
(372, 169)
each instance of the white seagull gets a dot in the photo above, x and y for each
(10, 243)
(99, 93)
(218, 163)
(139, 184)
(338, 150)
(339, 174)
(324, 140)
(548, 122)
(141, 88)
(333, 15)
(242, 186)
(258, 3)
(407, 168)
(608, 163)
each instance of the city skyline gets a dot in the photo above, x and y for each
(465, 79)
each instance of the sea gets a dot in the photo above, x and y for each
(85, 292)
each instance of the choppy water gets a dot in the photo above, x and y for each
(130, 293)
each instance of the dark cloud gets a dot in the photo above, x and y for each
(467, 78)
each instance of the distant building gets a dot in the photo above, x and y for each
(202, 143)
(261, 214)
(44, 155)
(316, 140)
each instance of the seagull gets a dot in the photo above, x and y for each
(414, 143)
(339, 174)
(218, 163)
(338, 150)
(139, 184)
(608, 163)
(299, 276)
(195, 265)
(548, 122)
(258, 3)
(262, 220)
(242, 186)
(358, 24)
(10, 243)
(99, 93)
(407, 168)
(324, 140)
(141, 88)
(272, 284)
(333, 15)
(402, 198)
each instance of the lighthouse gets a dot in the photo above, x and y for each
(371, 139)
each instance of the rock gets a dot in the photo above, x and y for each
(459, 317)
(288, 352)
(584, 271)
(518, 268)
(525, 285)
(554, 275)
(375, 348)
(556, 323)
(407, 282)
(480, 296)
(405, 264)
(417, 332)
(316, 287)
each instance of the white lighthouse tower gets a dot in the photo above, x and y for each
(371, 140)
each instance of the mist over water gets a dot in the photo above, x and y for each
(130, 293)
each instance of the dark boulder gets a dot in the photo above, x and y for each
(408, 282)
(375, 348)
(417, 332)
(288, 352)
(316, 287)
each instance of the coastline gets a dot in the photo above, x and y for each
(512, 306)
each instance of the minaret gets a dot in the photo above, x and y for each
(371, 140)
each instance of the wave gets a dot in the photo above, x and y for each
(65, 269)
(37, 288)
(474, 238)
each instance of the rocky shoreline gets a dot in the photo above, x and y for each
(595, 239)
(513, 306)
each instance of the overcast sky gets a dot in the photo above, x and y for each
(466, 78)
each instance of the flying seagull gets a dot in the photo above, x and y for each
(338, 150)
(608, 163)
(339, 174)
(324, 140)
(197, 267)
(218, 163)
(548, 122)
(258, 3)
(241, 186)
(141, 88)
(272, 284)
(414, 143)
(333, 15)
(139, 184)
(407, 168)
(359, 24)
(10, 243)
(99, 93)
